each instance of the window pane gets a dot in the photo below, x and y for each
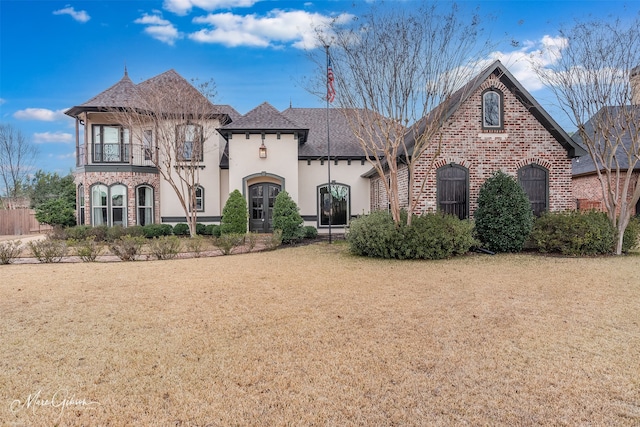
(119, 205)
(491, 109)
(334, 204)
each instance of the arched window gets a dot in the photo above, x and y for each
(534, 180)
(492, 109)
(119, 205)
(144, 200)
(109, 205)
(99, 205)
(80, 204)
(199, 198)
(453, 190)
(334, 204)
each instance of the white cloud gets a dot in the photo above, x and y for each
(78, 15)
(159, 28)
(40, 114)
(2, 101)
(46, 137)
(521, 62)
(297, 28)
(183, 7)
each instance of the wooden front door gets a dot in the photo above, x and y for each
(262, 197)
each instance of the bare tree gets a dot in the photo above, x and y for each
(182, 120)
(591, 78)
(395, 67)
(17, 159)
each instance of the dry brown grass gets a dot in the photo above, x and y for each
(313, 336)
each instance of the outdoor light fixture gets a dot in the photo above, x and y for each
(263, 150)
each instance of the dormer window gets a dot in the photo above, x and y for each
(492, 110)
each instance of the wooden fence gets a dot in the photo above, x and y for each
(19, 222)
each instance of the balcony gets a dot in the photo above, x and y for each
(114, 155)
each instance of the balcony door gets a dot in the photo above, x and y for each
(262, 197)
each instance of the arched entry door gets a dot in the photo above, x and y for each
(262, 197)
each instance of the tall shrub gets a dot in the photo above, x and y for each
(286, 217)
(504, 218)
(234, 214)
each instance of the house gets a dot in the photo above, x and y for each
(265, 151)
(586, 184)
(492, 123)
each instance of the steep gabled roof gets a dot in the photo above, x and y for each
(263, 118)
(585, 165)
(498, 69)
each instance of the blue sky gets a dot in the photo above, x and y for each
(57, 54)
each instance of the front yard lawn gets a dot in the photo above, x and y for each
(314, 336)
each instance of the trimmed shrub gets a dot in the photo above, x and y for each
(631, 235)
(127, 247)
(227, 242)
(99, 232)
(48, 250)
(135, 231)
(116, 232)
(234, 214)
(212, 230)
(9, 251)
(181, 229)
(200, 229)
(79, 232)
(430, 236)
(87, 249)
(286, 217)
(310, 232)
(574, 233)
(504, 219)
(165, 247)
(156, 230)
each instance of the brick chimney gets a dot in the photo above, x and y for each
(634, 79)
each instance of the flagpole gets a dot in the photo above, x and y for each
(326, 47)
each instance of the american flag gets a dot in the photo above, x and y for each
(331, 91)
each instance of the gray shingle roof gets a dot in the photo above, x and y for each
(263, 117)
(126, 94)
(342, 140)
(585, 165)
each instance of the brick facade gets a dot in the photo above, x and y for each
(131, 180)
(588, 192)
(524, 140)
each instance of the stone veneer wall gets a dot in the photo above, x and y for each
(131, 179)
(523, 141)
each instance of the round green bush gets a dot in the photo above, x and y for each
(430, 236)
(200, 228)
(504, 219)
(286, 217)
(574, 233)
(181, 229)
(310, 232)
(234, 214)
